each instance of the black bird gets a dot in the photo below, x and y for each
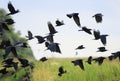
(98, 17)
(8, 61)
(103, 39)
(116, 54)
(13, 64)
(99, 60)
(24, 62)
(30, 35)
(3, 71)
(96, 34)
(80, 47)
(89, 60)
(111, 57)
(10, 49)
(85, 29)
(59, 23)
(51, 28)
(47, 44)
(43, 59)
(40, 39)
(1, 30)
(61, 71)
(2, 45)
(12, 9)
(54, 47)
(79, 62)
(49, 38)
(5, 27)
(9, 21)
(75, 18)
(21, 44)
(101, 49)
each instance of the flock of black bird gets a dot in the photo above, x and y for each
(48, 40)
(11, 62)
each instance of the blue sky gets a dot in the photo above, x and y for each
(34, 16)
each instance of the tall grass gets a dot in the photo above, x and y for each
(48, 71)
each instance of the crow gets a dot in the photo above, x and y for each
(116, 54)
(30, 35)
(61, 71)
(24, 62)
(103, 39)
(85, 29)
(54, 47)
(51, 28)
(5, 27)
(89, 60)
(12, 9)
(8, 61)
(3, 71)
(98, 17)
(75, 18)
(49, 38)
(111, 57)
(40, 39)
(101, 49)
(96, 34)
(99, 60)
(13, 64)
(9, 21)
(21, 44)
(79, 62)
(80, 47)
(43, 59)
(10, 49)
(59, 23)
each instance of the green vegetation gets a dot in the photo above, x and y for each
(48, 71)
(26, 53)
(13, 37)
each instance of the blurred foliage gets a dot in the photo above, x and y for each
(13, 37)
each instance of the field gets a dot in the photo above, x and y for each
(48, 71)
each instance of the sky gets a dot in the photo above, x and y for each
(34, 16)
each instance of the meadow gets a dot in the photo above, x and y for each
(48, 71)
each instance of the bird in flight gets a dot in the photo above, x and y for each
(80, 47)
(79, 62)
(59, 23)
(75, 18)
(12, 9)
(98, 17)
(61, 71)
(87, 30)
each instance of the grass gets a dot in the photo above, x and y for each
(48, 71)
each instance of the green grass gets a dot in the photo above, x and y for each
(48, 71)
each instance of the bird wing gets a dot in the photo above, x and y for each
(86, 30)
(96, 34)
(11, 7)
(103, 39)
(40, 39)
(81, 64)
(58, 49)
(7, 51)
(4, 26)
(77, 19)
(51, 28)
(13, 50)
